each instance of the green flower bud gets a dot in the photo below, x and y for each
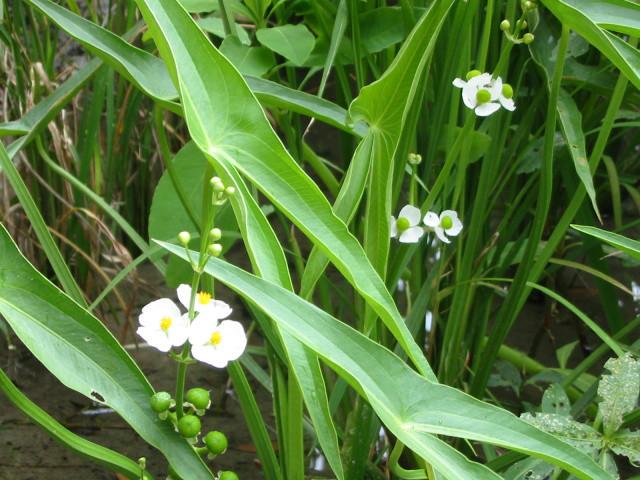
(215, 234)
(507, 90)
(473, 73)
(184, 238)
(230, 191)
(215, 249)
(228, 475)
(446, 223)
(527, 38)
(216, 442)
(483, 96)
(217, 184)
(402, 224)
(199, 398)
(528, 5)
(160, 402)
(415, 158)
(189, 426)
(505, 25)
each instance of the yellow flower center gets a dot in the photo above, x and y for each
(165, 323)
(446, 223)
(216, 338)
(204, 298)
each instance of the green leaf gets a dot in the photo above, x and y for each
(618, 15)
(199, 6)
(627, 444)
(228, 125)
(556, 401)
(114, 461)
(215, 26)
(627, 245)
(386, 381)
(620, 53)
(381, 28)
(293, 42)
(618, 391)
(255, 61)
(76, 347)
(581, 436)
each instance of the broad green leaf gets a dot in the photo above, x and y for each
(556, 401)
(383, 105)
(627, 245)
(76, 347)
(581, 436)
(199, 6)
(254, 61)
(215, 25)
(627, 444)
(385, 381)
(621, 16)
(137, 65)
(227, 123)
(568, 113)
(381, 28)
(621, 54)
(114, 461)
(618, 391)
(293, 42)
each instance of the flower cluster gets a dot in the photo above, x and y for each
(484, 94)
(407, 229)
(213, 339)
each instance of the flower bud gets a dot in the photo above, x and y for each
(528, 5)
(184, 238)
(160, 402)
(215, 249)
(215, 234)
(228, 475)
(189, 426)
(473, 73)
(199, 398)
(505, 25)
(527, 38)
(230, 191)
(507, 90)
(415, 158)
(216, 442)
(217, 184)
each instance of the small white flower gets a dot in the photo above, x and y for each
(447, 223)
(484, 94)
(204, 302)
(216, 343)
(162, 326)
(407, 225)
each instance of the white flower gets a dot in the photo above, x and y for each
(162, 326)
(484, 94)
(216, 343)
(447, 223)
(204, 303)
(407, 225)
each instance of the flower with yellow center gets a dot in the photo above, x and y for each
(162, 325)
(484, 94)
(445, 224)
(204, 302)
(216, 343)
(406, 227)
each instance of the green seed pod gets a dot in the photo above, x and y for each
(216, 442)
(160, 402)
(507, 90)
(189, 426)
(228, 475)
(199, 398)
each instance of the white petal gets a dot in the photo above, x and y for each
(184, 295)
(455, 229)
(156, 338)
(162, 306)
(394, 228)
(431, 219)
(201, 329)
(487, 109)
(209, 354)
(411, 213)
(507, 103)
(480, 81)
(458, 82)
(496, 89)
(179, 331)
(469, 96)
(234, 340)
(411, 235)
(219, 308)
(441, 235)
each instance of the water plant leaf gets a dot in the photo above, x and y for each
(627, 444)
(215, 26)
(78, 349)
(627, 245)
(293, 42)
(620, 16)
(384, 380)
(581, 436)
(227, 123)
(556, 401)
(255, 61)
(618, 391)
